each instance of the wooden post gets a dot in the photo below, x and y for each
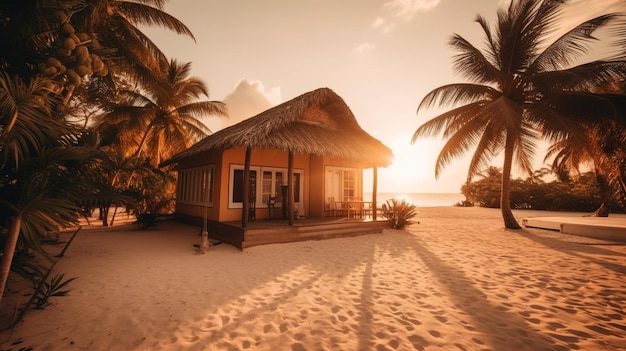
(374, 191)
(246, 189)
(290, 179)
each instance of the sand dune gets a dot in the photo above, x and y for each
(456, 281)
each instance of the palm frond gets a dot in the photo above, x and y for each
(526, 147)
(454, 94)
(568, 48)
(143, 14)
(488, 146)
(472, 63)
(459, 144)
(448, 122)
(203, 109)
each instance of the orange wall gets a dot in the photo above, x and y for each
(195, 210)
(313, 181)
(258, 157)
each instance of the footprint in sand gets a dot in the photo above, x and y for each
(599, 329)
(555, 326)
(579, 333)
(434, 333)
(441, 319)
(418, 342)
(478, 341)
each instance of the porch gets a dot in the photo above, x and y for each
(273, 231)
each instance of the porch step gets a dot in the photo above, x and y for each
(262, 236)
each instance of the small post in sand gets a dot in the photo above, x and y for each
(204, 242)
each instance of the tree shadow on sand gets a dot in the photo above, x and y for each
(504, 330)
(580, 249)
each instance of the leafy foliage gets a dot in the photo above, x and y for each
(54, 287)
(581, 194)
(49, 166)
(398, 212)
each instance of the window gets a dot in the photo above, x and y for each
(341, 183)
(272, 181)
(349, 185)
(195, 186)
(269, 182)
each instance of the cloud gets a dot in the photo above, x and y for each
(401, 10)
(407, 9)
(363, 49)
(383, 25)
(248, 99)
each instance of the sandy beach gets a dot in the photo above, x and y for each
(456, 281)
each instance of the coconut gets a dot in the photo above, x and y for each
(104, 71)
(69, 44)
(53, 61)
(60, 16)
(84, 70)
(50, 71)
(83, 37)
(67, 28)
(73, 77)
(82, 53)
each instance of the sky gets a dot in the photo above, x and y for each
(381, 56)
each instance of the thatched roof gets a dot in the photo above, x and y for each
(317, 123)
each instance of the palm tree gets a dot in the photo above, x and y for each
(37, 155)
(116, 23)
(49, 47)
(67, 40)
(522, 87)
(603, 150)
(161, 119)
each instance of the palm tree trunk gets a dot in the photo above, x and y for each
(505, 192)
(15, 224)
(143, 141)
(606, 194)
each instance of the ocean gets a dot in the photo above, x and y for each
(419, 199)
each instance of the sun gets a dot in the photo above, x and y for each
(413, 166)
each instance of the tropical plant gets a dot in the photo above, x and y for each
(398, 212)
(67, 40)
(54, 287)
(159, 120)
(580, 194)
(51, 48)
(603, 149)
(523, 86)
(37, 154)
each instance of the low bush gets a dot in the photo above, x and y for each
(398, 212)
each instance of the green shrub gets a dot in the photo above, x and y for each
(398, 213)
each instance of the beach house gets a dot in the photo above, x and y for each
(301, 159)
